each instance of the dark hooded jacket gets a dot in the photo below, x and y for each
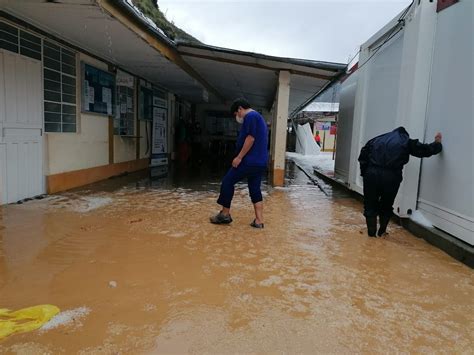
(392, 150)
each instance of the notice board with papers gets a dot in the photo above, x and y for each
(98, 90)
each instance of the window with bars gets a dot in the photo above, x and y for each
(18, 41)
(59, 75)
(124, 123)
(59, 88)
(146, 102)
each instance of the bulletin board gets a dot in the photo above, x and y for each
(124, 119)
(98, 90)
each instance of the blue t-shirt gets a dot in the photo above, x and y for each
(254, 125)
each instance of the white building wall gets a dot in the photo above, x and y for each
(344, 128)
(382, 90)
(417, 54)
(85, 149)
(376, 100)
(125, 149)
(447, 181)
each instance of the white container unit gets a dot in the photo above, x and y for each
(344, 128)
(418, 73)
(446, 193)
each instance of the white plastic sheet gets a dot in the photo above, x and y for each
(305, 143)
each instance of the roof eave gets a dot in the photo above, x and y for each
(336, 67)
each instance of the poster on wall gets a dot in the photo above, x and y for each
(158, 101)
(124, 79)
(159, 148)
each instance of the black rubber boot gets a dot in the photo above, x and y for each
(371, 226)
(383, 225)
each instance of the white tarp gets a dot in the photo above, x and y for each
(305, 143)
(322, 107)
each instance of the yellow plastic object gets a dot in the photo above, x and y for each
(26, 319)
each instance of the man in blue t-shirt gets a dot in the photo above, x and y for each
(250, 162)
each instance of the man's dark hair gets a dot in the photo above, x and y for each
(239, 102)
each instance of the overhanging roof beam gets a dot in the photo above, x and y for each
(117, 10)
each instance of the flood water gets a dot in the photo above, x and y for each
(137, 268)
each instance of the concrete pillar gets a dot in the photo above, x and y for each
(272, 133)
(279, 129)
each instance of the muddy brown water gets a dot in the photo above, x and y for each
(149, 274)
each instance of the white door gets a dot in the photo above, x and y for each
(21, 127)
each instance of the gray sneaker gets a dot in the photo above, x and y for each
(257, 225)
(221, 219)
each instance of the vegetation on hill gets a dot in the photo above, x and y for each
(151, 9)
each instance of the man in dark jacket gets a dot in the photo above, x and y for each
(381, 164)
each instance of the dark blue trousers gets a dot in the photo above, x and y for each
(253, 174)
(380, 189)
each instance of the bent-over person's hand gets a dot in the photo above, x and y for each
(438, 137)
